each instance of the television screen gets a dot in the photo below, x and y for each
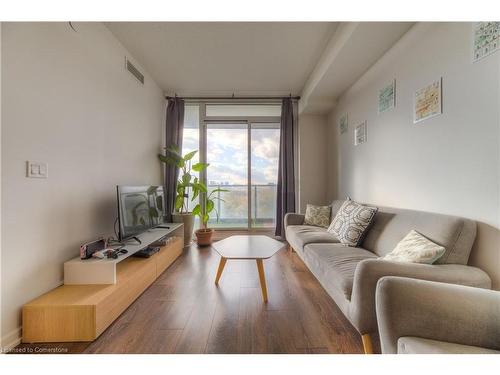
(139, 208)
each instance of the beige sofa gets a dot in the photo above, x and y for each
(424, 317)
(350, 275)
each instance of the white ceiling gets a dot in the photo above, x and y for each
(354, 48)
(318, 60)
(219, 58)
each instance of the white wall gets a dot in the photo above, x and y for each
(448, 164)
(68, 101)
(312, 161)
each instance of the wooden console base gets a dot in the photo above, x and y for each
(83, 312)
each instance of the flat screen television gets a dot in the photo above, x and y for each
(139, 208)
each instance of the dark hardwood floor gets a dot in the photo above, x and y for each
(185, 312)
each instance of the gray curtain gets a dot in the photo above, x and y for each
(286, 167)
(173, 136)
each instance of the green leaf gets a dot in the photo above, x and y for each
(209, 206)
(202, 187)
(205, 219)
(198, 167)
(196, 192)
(186, 178)
(196, 209)
(167, 159)
(190, 155)
(179, 200)
(218, 190)
(173, 148)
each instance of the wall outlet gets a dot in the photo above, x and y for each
(37, 169)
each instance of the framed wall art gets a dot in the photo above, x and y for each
(360, 134)
(387, 97)
(486, 36)
(427, 102)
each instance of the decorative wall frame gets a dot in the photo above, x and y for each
(387, 97)
(427, 101)
(360, 135)
(486, 39)
(343, 123)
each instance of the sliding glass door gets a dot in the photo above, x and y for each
(226, 151)
(241, 143)
(264, 147)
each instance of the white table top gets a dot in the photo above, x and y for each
(247, 247)
(148, 237)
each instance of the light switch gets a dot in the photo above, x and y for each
(42, 170)
(36, 169)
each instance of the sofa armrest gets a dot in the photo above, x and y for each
(369, 271)
(436, 311)
(293, 219)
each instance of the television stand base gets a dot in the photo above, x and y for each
(83, 312)
(137, 239)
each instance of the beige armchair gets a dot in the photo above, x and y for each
(417, 316)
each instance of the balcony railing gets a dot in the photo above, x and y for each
(233, 206)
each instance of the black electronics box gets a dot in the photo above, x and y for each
(147, 252)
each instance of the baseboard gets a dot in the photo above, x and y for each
(11, 340)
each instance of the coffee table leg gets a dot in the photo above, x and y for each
(262, 277)
(222, 263)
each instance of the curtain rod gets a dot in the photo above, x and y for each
(233, 97)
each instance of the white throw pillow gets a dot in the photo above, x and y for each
(415, 248)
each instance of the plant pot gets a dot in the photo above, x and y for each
(188, 221)
(204, 236)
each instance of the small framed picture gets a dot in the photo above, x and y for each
(387, 97)
(486, 39)
(343, 124)
(427, 102)
(360, 134)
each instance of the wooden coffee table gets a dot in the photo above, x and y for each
(247, 247)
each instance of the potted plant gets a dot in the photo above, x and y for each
(203, 211)
(185, 184)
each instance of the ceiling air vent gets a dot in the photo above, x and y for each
(135, 72)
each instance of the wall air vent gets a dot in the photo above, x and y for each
(134, 71)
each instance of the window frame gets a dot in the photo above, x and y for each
(252, 122)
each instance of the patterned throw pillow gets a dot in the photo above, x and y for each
(415, 248)
(317, 215)
(351, 222)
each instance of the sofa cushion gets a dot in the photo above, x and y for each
(418, 345)
(415, 248)
(351, 222)
(317, 215)
(336, 262)
(300, 235)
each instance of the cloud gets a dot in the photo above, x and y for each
(227, 154)
(265, 144)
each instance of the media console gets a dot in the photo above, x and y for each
(97, 291)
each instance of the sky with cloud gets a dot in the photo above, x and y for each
(227, 154)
